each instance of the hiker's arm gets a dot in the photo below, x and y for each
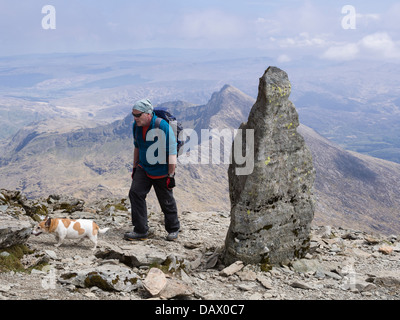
(171, 163)
(135, 157)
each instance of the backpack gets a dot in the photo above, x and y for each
(175, 125)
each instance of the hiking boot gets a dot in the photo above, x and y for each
(173, 236)
(132, 236)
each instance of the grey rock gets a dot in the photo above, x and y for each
(13, 231)
(32, 260)
(196, 263)
(332, 275)
(357, 284)
(320, 270)
(66, 203)
(3, 199)
(247, 286)
(397, 247)
(106, 277)
(14, 199)
(390, 280)
(186, 278)
(173, 265)
(300, 285)
(271, 207)
(212, 260)
(266, 283)
(134, 255)
(51, 254)
(5, 288)
(306, 265)
(327, 232)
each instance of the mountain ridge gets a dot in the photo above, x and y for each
(96, 162)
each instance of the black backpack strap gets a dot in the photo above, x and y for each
(157, 122)
(156, 125)
(135, 131)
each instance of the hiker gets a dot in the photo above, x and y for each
(146, 173)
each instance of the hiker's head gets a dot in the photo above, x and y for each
(142, 112)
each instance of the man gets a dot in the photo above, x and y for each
(154, 162)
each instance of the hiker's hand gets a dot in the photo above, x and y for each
(133, 172)
(170, 183)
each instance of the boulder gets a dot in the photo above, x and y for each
(108, 277)
(14, 201)
(13, 231)
(66, 203)
(271, 206)
(386, 278)
(133, 255)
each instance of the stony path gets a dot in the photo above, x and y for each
(341, 264)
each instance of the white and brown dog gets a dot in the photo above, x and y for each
(69, 229)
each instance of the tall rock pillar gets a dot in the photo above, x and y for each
(271, 207)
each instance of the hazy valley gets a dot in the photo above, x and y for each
(357, 108)
(66, 125)
(55, 157)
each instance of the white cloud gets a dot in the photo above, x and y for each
(344, 52)
(377, 45)
(304, 39)
(381, 43)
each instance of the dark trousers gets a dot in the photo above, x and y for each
(140, 187)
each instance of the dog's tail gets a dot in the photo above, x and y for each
(104, 230)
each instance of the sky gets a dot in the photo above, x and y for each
(289, 29)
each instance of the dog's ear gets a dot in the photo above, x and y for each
(47, 222)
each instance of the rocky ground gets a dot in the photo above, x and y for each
(340, 265)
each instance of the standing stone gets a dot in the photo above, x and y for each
(272, 207)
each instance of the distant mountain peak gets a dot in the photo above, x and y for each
(227, 87)
(226, 109)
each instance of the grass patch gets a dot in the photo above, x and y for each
(11, 261)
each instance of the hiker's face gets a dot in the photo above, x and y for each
(142, 119)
